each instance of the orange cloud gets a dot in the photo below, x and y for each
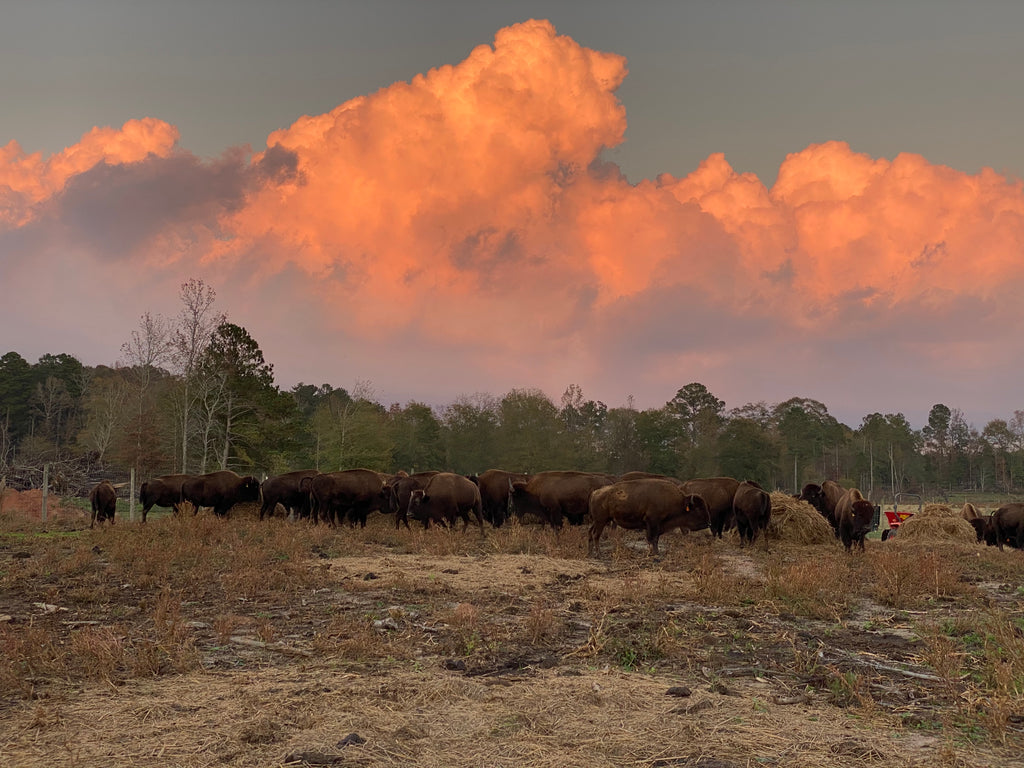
(28, 179)
(469, 209)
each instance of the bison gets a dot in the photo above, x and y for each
(854, 515)
(718, 493)
(969, 512)
(286, 490)
(983, 529)
(445, 498)
(824, 498)
(400, 491)
(220, 490)
(495, 489)
(351, 493)
(1008, 525)
(752, 509)
(103, 498)
(162, 491)
(653, 505)
(638, 475)
(555, 496)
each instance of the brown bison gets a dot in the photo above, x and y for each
(220, 490)
(718, 493)
(653, 505)
(162, 491)
(351, 493)
(983, 529)
(1008, 525)
(103, 498)
(555, 496)
(969, 512)
(752, 509)
(854, 515)
(495, 489)
(824, 498)
(287, 491)
(400, 491)
(446, 498)
(637, 475)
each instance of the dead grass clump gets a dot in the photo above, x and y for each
(904, 577)
(28, 656)
(817, 588)
(542, 624)
(797, 522)
(97, 653)
(716, 583)
(937, 522)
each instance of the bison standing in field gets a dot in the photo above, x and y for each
(350, 493)
(287, 491)
(220, 490)
(446, 498)
(752, 508)
(162, 491)
(555, 496)
(718, 493)
(1008, 525)
(824, 498)
(495, 489)
(103, 499)
(653, 505)
(400, 491)
(854, 515)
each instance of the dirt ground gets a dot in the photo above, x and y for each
(277, 644)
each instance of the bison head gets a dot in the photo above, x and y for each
(813, 494)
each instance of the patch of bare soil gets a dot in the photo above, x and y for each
(277, 644)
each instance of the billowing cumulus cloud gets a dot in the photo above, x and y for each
(461, 232)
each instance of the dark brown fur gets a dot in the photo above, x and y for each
(162, 491)
(718, 493)
(653, 505)
(495, 485)
(351, 493)
(103, 498)
(401, 491)
(220, 490)
(557, 496)
(286, 490)
(752, 508)
(447, 497)
(854, 515)
(1008, 525)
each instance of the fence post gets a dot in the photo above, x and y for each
(131, 497)
(46, 487)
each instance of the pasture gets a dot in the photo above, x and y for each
(197, 641)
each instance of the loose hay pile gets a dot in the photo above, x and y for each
(937, 522)
(797, 522)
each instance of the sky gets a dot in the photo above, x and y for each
(428, 200)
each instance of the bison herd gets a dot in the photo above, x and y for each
(655, 504)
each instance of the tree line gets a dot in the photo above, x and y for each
(193, 394)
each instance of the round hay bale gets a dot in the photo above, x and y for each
(937, 522)
(937, 510)
(797, 522)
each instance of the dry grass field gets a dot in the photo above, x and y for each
(204, 642)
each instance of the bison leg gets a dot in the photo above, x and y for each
(652, 539)
(594, 537)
